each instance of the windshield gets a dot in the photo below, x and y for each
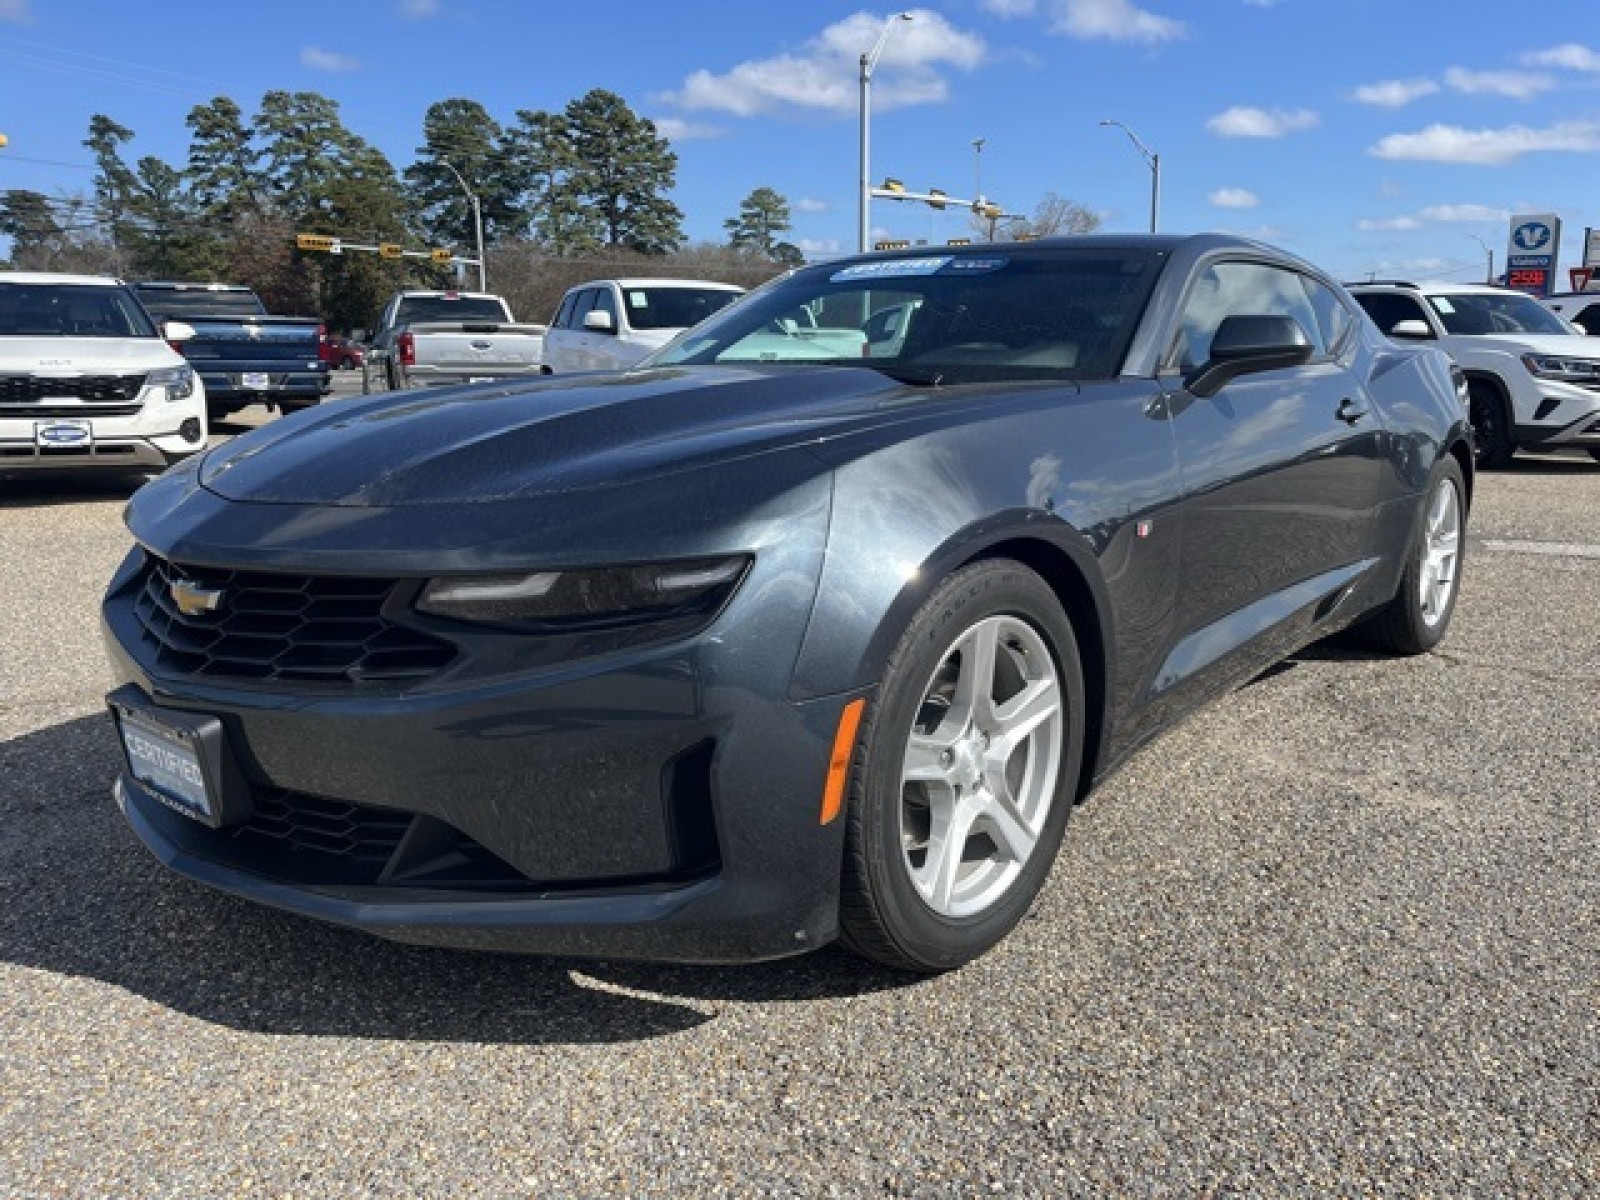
(422, 309)
(1499, 312)
(199, 302)
(71, 310)
(1056, 314)
(673, 307)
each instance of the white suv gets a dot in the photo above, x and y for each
(1534, 383)
(87, 380)
(610, 324)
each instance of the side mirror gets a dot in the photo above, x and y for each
(1412, 327)
(1244, 345)
(177, 331)
(599, 322)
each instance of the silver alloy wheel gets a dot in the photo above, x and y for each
(980, 766)
(1441, 549)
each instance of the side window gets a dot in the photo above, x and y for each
(1588, 319)
(563, 317)
(1231, 289)
(1388, 309)
(1334, 318)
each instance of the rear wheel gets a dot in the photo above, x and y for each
(1415, 621)
(965, 773)
(1491, 426)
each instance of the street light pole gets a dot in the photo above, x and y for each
(869, 62)
(1488, 254)
(1153, 161)
(477, 224)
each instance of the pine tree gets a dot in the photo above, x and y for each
(763, 214)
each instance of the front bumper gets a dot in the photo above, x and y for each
(660, 801)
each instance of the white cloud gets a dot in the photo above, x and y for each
(418, 10)
(815, 248)
(823, 73)
(1432, 214)
(318, 59)
(1486, 147)
(1113, 21)
(676, 129)
(1388, 224)
(1519, 85)
(1244, 121)
(16, 11)
(1394, 93)
(1463, 212)
(1569, 56)
(1008, 10)
(1234, 197)
(807, 204)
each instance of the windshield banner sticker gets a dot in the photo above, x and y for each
(893, 269)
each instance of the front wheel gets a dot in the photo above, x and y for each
(1492, 442)
(1415, 621)
(966, 771)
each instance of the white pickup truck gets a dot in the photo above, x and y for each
(433, 338)
(88, 380)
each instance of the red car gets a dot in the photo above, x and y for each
(340, 352)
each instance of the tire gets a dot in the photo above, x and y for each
(927, 755)
(1492, 442)
(1416, 620)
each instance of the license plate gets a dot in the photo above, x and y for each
(63, 435)
(165, 761)
(255, 379)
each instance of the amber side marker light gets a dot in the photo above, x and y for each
(844, 744)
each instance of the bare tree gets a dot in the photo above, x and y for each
(1053, 216)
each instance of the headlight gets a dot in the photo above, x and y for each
(179, 381)
(1568, 370)
(694, 588)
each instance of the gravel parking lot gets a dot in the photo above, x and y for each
(1336, 936)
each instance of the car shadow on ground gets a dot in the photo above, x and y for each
(79, 897)
(1562, 465)
(37, 489)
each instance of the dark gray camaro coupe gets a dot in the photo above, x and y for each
(816, 624)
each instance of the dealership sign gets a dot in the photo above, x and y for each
(1531, 252)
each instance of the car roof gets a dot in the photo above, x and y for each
(58, 277)
(183, 286)
(662, 283)
(1432, 285)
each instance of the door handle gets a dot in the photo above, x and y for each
(1350, 411)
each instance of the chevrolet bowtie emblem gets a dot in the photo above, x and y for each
(192, 599)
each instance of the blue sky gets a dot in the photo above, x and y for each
(1369, 135)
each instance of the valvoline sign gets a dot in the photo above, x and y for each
(1532, 236)
(1531, 252)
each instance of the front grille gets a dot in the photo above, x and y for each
(327, 629)
(24, 395)
(313, 839)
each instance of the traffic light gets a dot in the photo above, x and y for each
(896, 245)
(939, 203)
(959, 242)
(440, 256)
(390, 250)
(315, 241)
(893, 185)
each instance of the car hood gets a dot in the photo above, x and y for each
(1561, 344)
(481, 444)
(68, 356)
